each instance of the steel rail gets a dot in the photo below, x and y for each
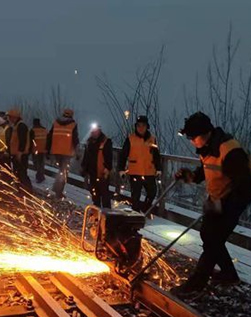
(44, 304)
(162, 303)
(89, 303)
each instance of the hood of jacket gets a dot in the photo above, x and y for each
(65, 121)
(212, 147)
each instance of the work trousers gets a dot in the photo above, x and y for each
(38, 162)
(215, 230)
(20, 169)
(99, 188)
(63, 164)
(137, 183)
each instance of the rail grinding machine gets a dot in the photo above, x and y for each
(113, 236)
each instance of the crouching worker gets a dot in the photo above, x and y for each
(225, 168)
(97, 164)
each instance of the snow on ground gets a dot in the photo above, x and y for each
(164, 231)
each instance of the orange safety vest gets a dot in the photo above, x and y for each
(140, 161)
(39, 142)
(218, 185)
(14, 141)
(101, 161)
(62, 139)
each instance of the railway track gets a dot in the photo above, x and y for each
(62, 295)
(54, 295)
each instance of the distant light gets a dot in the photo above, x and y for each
(180, 134)
(127, 114)
(94, 126)
(75, 71)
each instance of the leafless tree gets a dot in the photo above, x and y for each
(45, 109)
(139, 99)
(228, 102)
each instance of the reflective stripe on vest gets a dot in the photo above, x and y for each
(218, 185)
(39, 142)
(62, 139)
(3, 145)
(14, 141)
(100, 160)
(140, 161)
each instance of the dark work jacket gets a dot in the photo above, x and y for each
(90, 159)
(126, 151)
(236, 166)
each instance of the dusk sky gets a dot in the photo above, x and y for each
(43, 42)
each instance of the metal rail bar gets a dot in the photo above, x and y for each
(87, 298)
(79, 301)
(44, 304)
(162, 303)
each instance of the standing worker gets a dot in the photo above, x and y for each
(144, 165)
(97, 163)
(38, 135)
(19, 147)
(62, 142)
(225, 168)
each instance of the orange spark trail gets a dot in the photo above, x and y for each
(33, 239)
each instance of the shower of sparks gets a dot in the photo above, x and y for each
(163, 271)
(3, 146)
(33, 239)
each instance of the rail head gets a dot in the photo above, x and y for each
(161, 302)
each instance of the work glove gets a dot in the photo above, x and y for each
(158, 174)
(106, 173)
(212, 206)
(185, 174)
(122, 174)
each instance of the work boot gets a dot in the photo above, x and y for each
(60, 195)
(225, 279)
(192, 288)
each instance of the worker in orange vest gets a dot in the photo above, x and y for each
(19, 147)
(38, 136)
(141, 151)
(97, 164)
(63, 142)
(226, 171)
